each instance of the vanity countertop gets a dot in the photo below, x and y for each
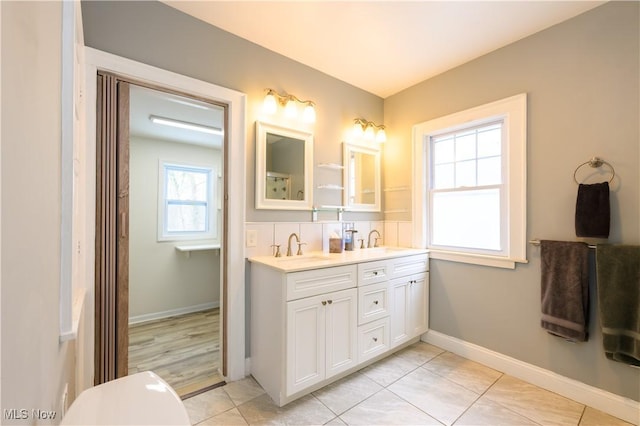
(315, 260)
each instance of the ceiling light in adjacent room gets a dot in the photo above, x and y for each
(186, 125)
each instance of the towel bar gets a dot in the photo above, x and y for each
(537, 243)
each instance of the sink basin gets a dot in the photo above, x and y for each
(301, 259)
(383, 250)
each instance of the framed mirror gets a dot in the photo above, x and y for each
(284, 168)
(361, 178)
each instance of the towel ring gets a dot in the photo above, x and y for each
(594, 162)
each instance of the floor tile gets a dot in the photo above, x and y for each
(208, 404)
(419, 353)
(486, 412)
(304, 411)
(347, 392)
(435, 395)
(335, 422)
(535, 403)
(593, 417)
(243, 390)
(230, 418)
(473, 376)
(385, 408)
(388, 370)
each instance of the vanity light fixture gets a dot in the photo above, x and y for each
(185, 125)
(289, 102)
(367, 129)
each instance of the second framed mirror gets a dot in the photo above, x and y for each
(361, 178)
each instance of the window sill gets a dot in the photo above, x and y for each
(76, 314)
(187, 249)
(476, 259)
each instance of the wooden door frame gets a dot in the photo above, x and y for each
(112, 225)
(234, 302)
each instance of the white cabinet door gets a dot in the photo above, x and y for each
(341, 329)
(321, 338)
(410, 309)
(418, 304)
(399, 311)
(306, 325)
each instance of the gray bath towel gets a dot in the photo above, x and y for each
(565, 289)
(618, 270)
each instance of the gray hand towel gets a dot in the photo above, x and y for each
(565, 289)
(618, 271)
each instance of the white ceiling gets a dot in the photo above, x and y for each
(383, 47)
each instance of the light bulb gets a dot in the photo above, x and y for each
(290, 109)
(369, 134)
(381, 136)
(357, 130)
(309, 114)
(270, 105)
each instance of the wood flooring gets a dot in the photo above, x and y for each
(184, 350)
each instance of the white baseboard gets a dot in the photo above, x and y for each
(172, 312)
(610, 403)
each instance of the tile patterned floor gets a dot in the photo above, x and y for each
(420, 385)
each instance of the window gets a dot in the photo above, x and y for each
(186, 208)
(471, 183)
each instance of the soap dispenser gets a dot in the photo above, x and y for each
(348, 232)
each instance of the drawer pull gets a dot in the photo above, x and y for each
(329, 301)
(324, 302)
(375, 273)
(375, 302)
(375, 339)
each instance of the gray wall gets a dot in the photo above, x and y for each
(35, 366)
(581, 77)
(156, 34)
(161, 278)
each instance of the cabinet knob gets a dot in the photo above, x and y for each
(375, 339)
(324, 302)
(375, 302)
(375, 272)
(329, 301)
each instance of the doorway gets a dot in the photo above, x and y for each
(160, 239)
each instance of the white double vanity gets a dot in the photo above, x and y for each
(319, 317)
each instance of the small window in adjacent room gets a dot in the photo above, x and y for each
(186, 206)
(470, 188)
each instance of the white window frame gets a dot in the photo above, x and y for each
(211, 205)
(513, 112)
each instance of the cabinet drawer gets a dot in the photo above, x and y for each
(402, 266)
(373, 339)
(373, 302)
(318, 281)
(373, 272)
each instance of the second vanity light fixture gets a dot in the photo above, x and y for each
(367, 129)
(289, 102)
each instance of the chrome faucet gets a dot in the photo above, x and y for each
(289, 245)
(375, 244)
